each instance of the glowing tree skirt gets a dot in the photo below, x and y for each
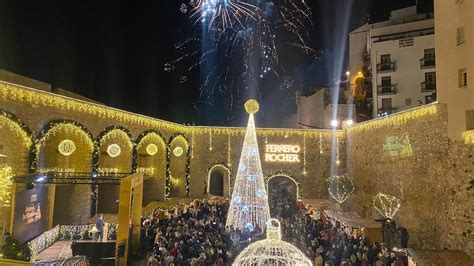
(272, 251)
(386, 205)
(249, 203)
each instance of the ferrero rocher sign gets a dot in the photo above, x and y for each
(282, 153)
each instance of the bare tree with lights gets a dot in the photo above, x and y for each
(249, 204)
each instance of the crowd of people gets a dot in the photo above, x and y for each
(195, 234)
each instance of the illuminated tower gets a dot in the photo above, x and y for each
(249, 203)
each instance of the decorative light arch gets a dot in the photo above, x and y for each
(52, 128)
(289, 176)
(208, 176)
(172, 139)
(109, 132)
(157, 139)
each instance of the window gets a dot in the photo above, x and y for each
(386, 81)
(408, 101)
(385, 59)
(462, 77)
(460, 35)
(430, 77)
(430, 54)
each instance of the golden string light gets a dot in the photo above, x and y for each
(398, 118)
(304, 154)
(338, 161)
(468, 136)
(10, 125)
(210, 141)
(229, 163)
(16, 93)
(320, 143)
(117, 134)
(192, 144)
(5, 185)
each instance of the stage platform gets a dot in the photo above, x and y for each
(59, 250)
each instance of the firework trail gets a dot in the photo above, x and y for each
(236, 45)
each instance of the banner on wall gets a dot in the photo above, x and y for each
(30, 213)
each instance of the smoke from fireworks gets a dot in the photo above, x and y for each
(236, 46)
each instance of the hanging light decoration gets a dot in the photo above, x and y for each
(178, 151)
(386, 205)
(66, 147)
(340, 187)
(114, 150)
(151, 149)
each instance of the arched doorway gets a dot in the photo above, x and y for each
(282, 195)
(218, 181)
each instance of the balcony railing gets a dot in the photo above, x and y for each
(387, 89)
(428, 86)
(427, 62)
(386, 67)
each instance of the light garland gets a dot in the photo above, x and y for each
(108, 171)
(338, 159)
(229, 163)
(304, 155)
(13, 93)
(114, 150)
(398, 118)
(340, 187)
(386, 205)
(10, 123)
(468, 136)
(192, 144)
(210, 141)
(66, 147)
(5, 185)
(148, 171)
(116, 134)
(63, 171)
(320, 143)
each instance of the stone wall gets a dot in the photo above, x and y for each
(208, 146)
(409, 156)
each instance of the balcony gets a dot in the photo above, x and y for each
(387, 89)
(428, 86)
(386, 67)
(427, 62)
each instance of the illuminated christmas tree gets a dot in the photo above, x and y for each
(249, 203)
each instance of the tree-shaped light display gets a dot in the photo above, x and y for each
(386, 205)
(249, 203)
(340, 187)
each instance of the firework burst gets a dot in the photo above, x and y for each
(237, 44)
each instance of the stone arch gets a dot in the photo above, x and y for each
(47, 156)
(16, 142)
(222, 187)
(284, 183)
(152, 165)
(73, 200)
(108, 164)
(177, 181)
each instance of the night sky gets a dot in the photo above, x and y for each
(115, 54)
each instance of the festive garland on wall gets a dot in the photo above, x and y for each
(208, 171)
(168, 164)
(96, 158)
(139, 141)
(38, 141)
(28, 134)
(289, 175)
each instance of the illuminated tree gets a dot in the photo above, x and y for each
(249, 203)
